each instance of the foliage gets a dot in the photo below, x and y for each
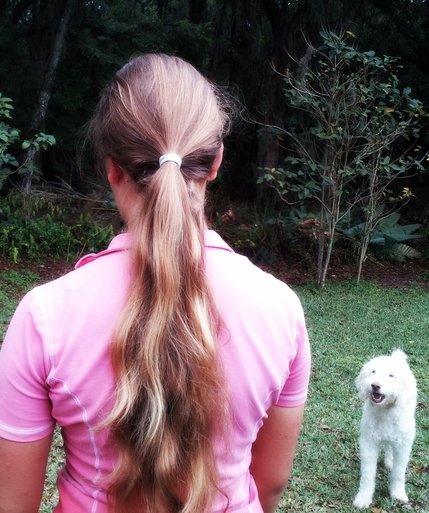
(353, 140)
(9, 137)
(237, 43)
(388, 229)
(388, 237)
(266, 234)
(48, 232)
(256, 233)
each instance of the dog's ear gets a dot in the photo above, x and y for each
(359, 382)
(405, 376)
(399, 354)
(409, 389)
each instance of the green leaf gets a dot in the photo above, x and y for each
(401, 252)
(390, 220)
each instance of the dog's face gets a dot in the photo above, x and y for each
(385, 379)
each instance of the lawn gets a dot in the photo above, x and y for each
(348, 324)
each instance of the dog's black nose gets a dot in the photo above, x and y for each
(375, 387)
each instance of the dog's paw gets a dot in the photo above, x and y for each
(399, 495)
(362, 500)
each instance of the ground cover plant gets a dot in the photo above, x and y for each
(47, 223)
(348, 324)
(13, 285)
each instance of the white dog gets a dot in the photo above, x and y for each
(388, 389)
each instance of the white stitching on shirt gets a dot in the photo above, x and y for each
(24, 431)
(84, 413)
(90, 429)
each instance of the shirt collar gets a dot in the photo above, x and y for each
(123, 242)
(214, 240)
(211, 240)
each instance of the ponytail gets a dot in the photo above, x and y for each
(170, 399)
(163, 352)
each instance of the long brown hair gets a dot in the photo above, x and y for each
(169, 397)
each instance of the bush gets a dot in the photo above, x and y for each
(10, 137)
(49, 231)
(268, 235)
(353, 134)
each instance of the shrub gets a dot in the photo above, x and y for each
(49, 231)
(387, 238)
(10, 137)
(355, 134)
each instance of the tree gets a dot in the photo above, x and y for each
(353, 142)
(56, 56)
(9, 137)
(40, 112)
(238, 43)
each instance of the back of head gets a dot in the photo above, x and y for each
(164, 349)
(158, 104)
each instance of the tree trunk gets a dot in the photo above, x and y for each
(321, 243)
(370, 220)
(197, 11)
(322, 278)
(362, 257)
(162, 7)
(369, 227)
(269, 151)
(31, 159)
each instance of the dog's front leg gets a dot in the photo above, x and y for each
(401, 456)
(388, 457)
(368, 466)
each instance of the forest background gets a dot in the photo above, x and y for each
(55, 57)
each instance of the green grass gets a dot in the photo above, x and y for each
(13, 285)
(348, 324)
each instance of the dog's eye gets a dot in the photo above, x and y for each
(391, 376)
(373, 372)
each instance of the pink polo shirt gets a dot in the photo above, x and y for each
(55, 366)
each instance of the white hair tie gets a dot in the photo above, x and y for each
(170, 157)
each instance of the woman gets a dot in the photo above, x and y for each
(176, 369)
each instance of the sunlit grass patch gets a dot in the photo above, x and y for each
(56, 461)
(13, 285)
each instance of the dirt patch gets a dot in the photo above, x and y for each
(48, 270)
(387, 274)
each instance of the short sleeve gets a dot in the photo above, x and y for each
(25, 407)
(295, 389)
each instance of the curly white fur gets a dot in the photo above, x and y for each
(388, 390)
